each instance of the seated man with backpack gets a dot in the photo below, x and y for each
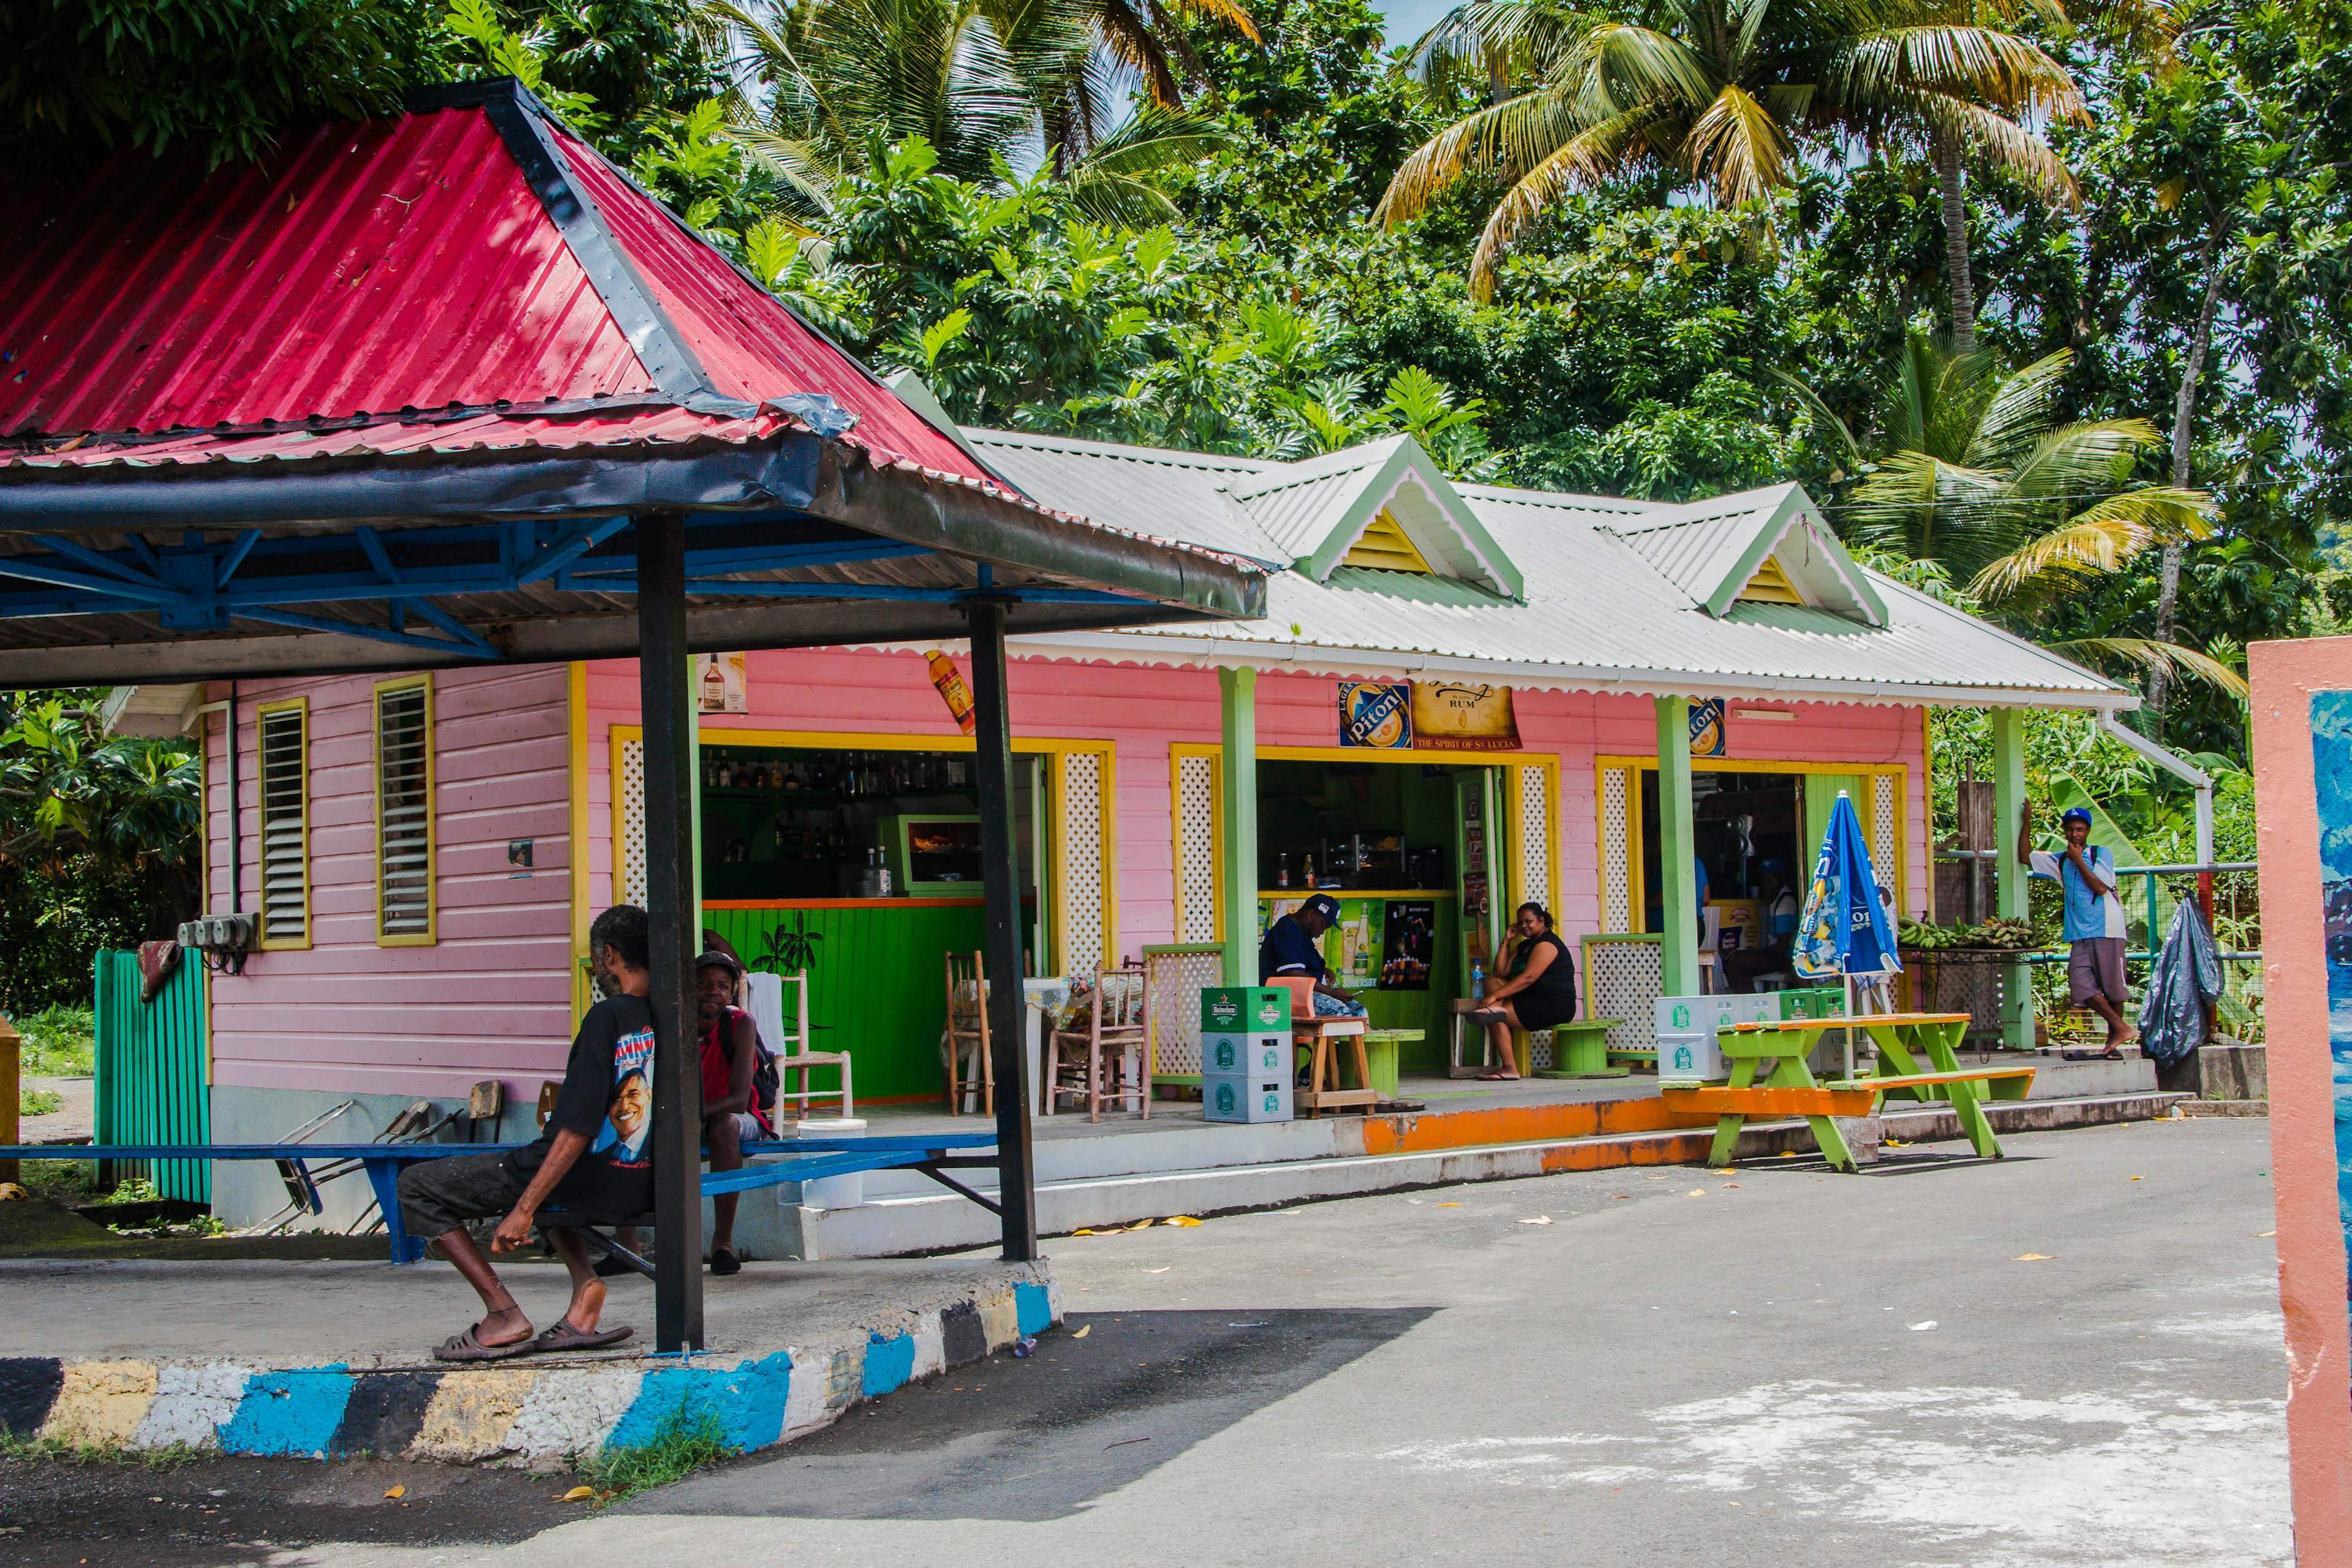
(738, 1094)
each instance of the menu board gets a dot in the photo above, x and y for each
(1408, 945)
(1386, 944)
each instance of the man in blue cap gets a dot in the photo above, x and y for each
(1294, 945)
(2094, 922)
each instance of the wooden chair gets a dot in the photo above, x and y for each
(1323, 1039)
(967, 1029)
(784, 1025)
(1109, 1057)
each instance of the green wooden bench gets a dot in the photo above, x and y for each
(1579, 1049)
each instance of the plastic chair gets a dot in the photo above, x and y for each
(1110, 1052)
(967, 1029)
(790, 1044)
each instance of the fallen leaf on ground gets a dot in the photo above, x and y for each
(1695, 1193)
(2034, 1257)
(1161, 1270)
(1082, 1233)
(1731, 1187)
(397, 1493)
(1143, 1225)
(578, 1494)
(1788, 1154)
(2134, 1178)
(1183, 1219)
(1893, 1143)
(1615, 1196)
(2259, 1234)
(1449, 1205)
(1539, 1219)
(1082, 1333)
(11, 1193)
(1923, 1328)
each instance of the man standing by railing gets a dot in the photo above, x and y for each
(2094, 929)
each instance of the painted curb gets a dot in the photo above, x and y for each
(512, 1413)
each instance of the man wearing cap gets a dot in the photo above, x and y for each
(2095, 920)
(1294, 945)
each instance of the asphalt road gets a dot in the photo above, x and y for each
(1777, 1367)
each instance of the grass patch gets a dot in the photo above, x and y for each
(52, 1450)
(68, 1181)
(59, 1042)
(682, 1445)
(38, 1101)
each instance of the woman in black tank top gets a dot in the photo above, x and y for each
(1537, 992)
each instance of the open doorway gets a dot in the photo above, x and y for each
(1748, 849)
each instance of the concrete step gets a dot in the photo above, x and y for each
(916, 1222)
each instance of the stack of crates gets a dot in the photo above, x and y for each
(1688, 1051)
(1246, 1074)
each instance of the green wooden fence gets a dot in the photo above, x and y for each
(151, 1070)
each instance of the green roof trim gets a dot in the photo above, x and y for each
(1408, 464)
(1794, 515)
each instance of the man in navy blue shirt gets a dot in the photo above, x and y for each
(1294, 945)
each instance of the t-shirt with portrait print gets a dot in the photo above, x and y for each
(608, 1095)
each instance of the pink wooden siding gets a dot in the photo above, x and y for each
(491, 998)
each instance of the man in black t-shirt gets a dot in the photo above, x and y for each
(594, 1158)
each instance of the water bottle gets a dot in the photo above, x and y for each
(1477, 980)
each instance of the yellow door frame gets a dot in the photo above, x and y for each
(1900, 772)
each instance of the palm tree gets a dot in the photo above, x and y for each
(825, 86)
(1979, 482)
(1722, 93)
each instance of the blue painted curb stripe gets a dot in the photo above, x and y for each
(888, 1365)
(287, 1412)
(747, 1403)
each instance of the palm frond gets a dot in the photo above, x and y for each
(1993, 139)
(2148, 654)
(1979, 65)
(1585, 159)
(2083, 548)
(2017, 414)
(1631, 64)
(2084, 458)
(1511, 138)
(1738, 149)
(1819, 410)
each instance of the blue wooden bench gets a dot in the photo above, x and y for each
(934, 1157)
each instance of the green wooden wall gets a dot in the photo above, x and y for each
(876, 981)
(150, 1084)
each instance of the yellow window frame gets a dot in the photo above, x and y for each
(430, 935)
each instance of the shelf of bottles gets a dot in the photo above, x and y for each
(822, 812)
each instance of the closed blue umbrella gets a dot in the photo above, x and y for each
(1845, 928)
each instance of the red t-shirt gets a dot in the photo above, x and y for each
(718, 1065)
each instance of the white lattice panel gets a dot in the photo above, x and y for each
(1535, 837)
(1616, 863)
(1196, 852)
(629, 848)
(1884, 852)
(1081, 861)
(1177, 981)
(1540, 1050)
(1624, 980)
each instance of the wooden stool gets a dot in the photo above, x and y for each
(967, 1029)
(1324, 1038)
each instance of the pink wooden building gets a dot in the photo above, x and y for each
(1461, 698)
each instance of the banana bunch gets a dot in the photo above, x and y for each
(2007, 931)
(2002, 932)
(1915, 933)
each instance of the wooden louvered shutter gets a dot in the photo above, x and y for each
(285, 824)
(404, 812)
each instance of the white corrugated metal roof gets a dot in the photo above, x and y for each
(1601, 610)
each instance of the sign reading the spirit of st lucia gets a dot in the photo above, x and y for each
(1427, 715)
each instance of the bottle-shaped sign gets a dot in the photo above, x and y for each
(714, 686)
(952, 690)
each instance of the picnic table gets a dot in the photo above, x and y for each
(933, 1154)
(1791, 1089)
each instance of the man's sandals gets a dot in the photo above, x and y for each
(561, 1336)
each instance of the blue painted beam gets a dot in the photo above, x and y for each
(235, 556)
(476, 649)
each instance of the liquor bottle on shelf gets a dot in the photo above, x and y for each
(791, 779)
(1282, 870)
(726, 774)
(759, 776)
(1309, 873)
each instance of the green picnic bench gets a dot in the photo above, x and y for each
(1791, 1088)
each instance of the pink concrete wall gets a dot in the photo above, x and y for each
(2303, 1090)
(491, 998)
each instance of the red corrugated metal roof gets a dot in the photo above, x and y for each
(369, 269)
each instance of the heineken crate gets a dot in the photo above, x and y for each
(1243, 1009)
(1812, 1002)
(1706, 1015)
(1246, 1056)
(1246, 1100)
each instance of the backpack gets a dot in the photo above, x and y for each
(766, 1081)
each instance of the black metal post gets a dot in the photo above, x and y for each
(1000, 874)
(667, 707)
